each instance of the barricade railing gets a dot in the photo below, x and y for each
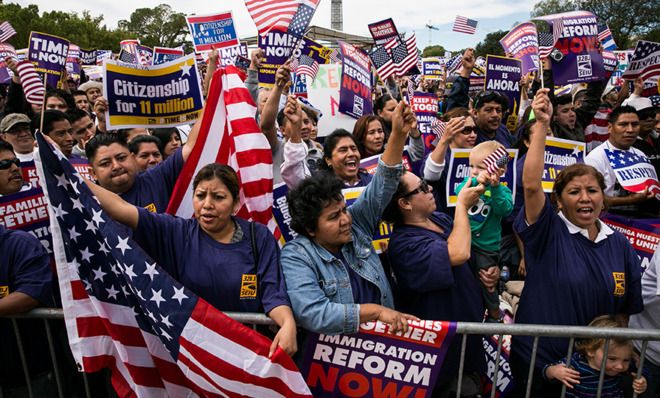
(462, 328)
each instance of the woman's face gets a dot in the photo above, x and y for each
(468, 137)
(374, 138)
(345, 161)
(388, 111)
(172, 144)
(213, 205)
(419, 202)
(333, 228)
(581, 201)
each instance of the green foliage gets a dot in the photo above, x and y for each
(491, 44)
(158, 26)
(434, 51)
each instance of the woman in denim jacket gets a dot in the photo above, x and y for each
(334, 277)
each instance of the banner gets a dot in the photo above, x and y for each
(228, 55)
(164, 95)
(29, 171)
(355, 91)
(609, 63)
(375, 363)
(643, 234)
(164, 54)
(504, 377)
(459, 168)
(384, 31)
(48, 53)
(102, 55)
(323, 92)
(308, 55)
(559, 153)
(633, 172)
(28, 212)
(277, 47)
(73, 61)
(212, 31)
(425, 107)
(433, 68)
(623, 58)
(503, 75)
(87, 57)
(6, 50)
(582, 61)
(522, 43)
(145, 55)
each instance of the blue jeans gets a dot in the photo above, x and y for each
(652, 373)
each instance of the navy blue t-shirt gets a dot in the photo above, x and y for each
(571, 280)
(502, 136)
(153, 187)
(364, 292)
(222, 274)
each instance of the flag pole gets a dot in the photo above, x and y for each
(43, 105)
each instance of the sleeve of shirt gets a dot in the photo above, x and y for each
(458, 97)
(252, 83)
(269, 271)
(159, 235)
(502, 200)
(31, 267)
(432, 170)
(536, 237)
(416, 148)
(634, 302)
(368, 208)
(294, 167)
(420, 263)
(312, 308)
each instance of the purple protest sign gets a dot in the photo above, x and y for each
(374, 363)
(355, 89)
(383, 31)
(503, 75)
(425, 107)
(277, 47)
(522, 43)
(87, 57)
(6, 50)
(73, 61)
(228, 55)
(49, 54)
(165, 54)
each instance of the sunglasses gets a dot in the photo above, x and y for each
(488, 94)
(423, 187)
(5, 164)
(467, 130)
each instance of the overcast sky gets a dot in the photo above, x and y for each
(492, 15)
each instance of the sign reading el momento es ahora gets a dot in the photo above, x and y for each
(162, 95)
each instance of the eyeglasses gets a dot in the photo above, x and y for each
(5, 164)
(467, 130)
(423, 187)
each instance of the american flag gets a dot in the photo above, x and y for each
(633, 171)
(303, 16)
(496, 160)
(405, 63)
(546, 44)
(438, 127)
(454, 64)
(229, 135)
(382, 62)
(127, 57)
(605, 37)
(112, 298)
(655, 100)
(145, 55)
(33, 87)
(410, 90)
(643, 63)
(464, 25)
(596, 132)
(306, 65)
(335, 56)
(270, 14)
(6, 31)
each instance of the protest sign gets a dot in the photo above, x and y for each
(27, 211)
(48, 53)
(21, 54)
(645, 61)
(145, 55)
(425, 107)
(73, 61)
(503, 75)
(162, 95)
(212, 31)
(433, 68)
(375, 363)
(87, 57)
(623, 59)
(522, 43)
(459, 168)
(298, 86)
(633, 172)
(164, 54)
(355, 91)
(102, 55)
(504, 378)
(228, 55)
(277, 47)
(29, 171)
(307, 57)
(323, 92)
(582, 61)
(6, 50)
(609, 63)
(643, 234)
(384, 31)
(559, 154)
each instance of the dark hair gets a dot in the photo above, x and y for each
(165, 134)
(379, 104)
(573, 171)
(392, 213)
(5, 146)
(100, 140)
(63, 95)
(313, 116)
(281, 118)
(585, 346)
(562, 100)
(222, 172)
(307, 200)
(50, 117)
(524, 132)
(620, 110)
(331, 142)
(456, 112)
(77, 93)
(134, 145)
(490, 96)
(76, 114)
(360, 130)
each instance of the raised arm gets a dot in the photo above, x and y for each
(435, 163)
(192, 139)
(402, 122)
(459, 92)
(116, 207)
(533, 169)
(460, 238)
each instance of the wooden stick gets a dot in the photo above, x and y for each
(43, 105)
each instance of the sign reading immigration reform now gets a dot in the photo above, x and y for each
(164, 95)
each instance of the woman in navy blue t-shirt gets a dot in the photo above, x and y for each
(212, 254)
(578, 268)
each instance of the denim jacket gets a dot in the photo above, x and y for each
(318, 283)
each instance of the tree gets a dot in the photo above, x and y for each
(491, 44)
(629, 20)
(158, 26)
(434, 51)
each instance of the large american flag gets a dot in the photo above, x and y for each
(383, 63)
(302, 17)
(464, 25)
(6, 31)
(270, 14)
(596, 132)
(229, 135)
(123, 312)
(605, 37)
(643, 63)
(633, 171)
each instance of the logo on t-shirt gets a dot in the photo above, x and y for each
(151, 208)
(4, 291)
(249, 286)
(619, 283)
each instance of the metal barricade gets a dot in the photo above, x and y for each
(462, 328)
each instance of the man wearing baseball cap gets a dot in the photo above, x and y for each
(15, 129)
